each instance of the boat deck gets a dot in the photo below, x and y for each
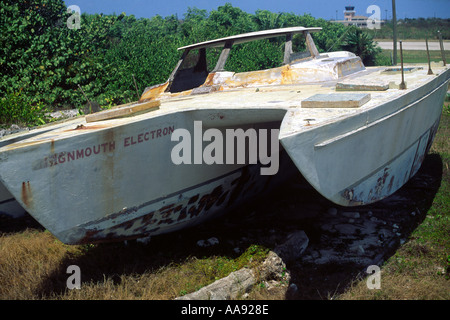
(381, 86)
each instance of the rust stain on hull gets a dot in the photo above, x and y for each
(27, 195)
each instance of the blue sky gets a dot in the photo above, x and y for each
(318, 8)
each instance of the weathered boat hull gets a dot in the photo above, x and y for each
(182, 209)
(8, 204)
(366, 157)
(100, 182)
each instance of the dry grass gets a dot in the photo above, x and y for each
(33, 266)
(166, 283)
(25, 259)
(413, 273)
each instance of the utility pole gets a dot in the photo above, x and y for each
(394, 25)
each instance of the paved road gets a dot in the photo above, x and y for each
(414, 45)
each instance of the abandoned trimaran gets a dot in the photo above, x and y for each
(354, 135)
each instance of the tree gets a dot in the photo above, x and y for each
(47, 61)
(361, 44)
(229, 20)
(266, 20)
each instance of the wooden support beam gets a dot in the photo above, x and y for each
(288, 49)
(220, 66)
(174, 72)
(310, 45)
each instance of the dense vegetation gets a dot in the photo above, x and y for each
(110, 59)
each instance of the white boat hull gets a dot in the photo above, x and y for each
(96, 184)
(9, 206)
(366, 157)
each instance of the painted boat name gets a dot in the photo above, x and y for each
(149, 135)
(101, 148)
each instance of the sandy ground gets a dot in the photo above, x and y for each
(414, 45)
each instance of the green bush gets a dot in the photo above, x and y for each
(361, 43)
(15, 108)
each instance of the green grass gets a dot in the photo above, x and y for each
(416, 56)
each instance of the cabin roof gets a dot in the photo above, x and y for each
(247, 37)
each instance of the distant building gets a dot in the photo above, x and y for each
(349, 13)
(351, 19)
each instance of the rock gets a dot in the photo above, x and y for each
(329, 227)
(63, 114)
(237, 283)
(354, 215)
(145, 240)
(274, 268)
(332, 211)
(208, 243)
(240, 282)
(358, 249)
(294, 247)
(14, 127)
(345, 228)
(326, 256)
(293, 289)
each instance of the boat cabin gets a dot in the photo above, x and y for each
(191, 74)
